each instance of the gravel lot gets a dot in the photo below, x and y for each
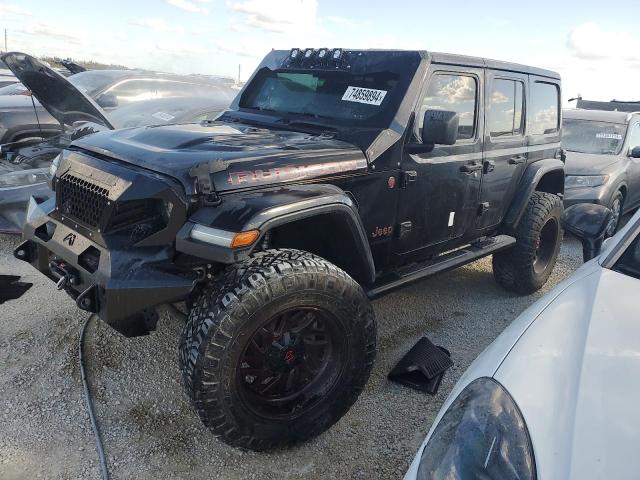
(148, 427)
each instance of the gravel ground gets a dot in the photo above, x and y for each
(148, 427)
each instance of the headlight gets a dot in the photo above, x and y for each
(24, 178)
(481, 436)
(575, 181)
(53, 168)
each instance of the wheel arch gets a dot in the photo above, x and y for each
(332, 233)
(321, 219)
(542, 176)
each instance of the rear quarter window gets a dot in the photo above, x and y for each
(544, 108)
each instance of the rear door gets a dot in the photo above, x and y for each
(505, 151)
(439, 198)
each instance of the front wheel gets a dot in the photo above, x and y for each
(525, 267)
(616, 213)
(277, 350)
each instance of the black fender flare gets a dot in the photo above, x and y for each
(529, 183)
(267, 209)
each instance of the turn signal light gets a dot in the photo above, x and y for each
(244, 239)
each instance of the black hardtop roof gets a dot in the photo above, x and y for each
(598, 115)
(464, 60)
(454, 59)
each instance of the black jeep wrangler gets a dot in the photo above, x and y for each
(336, 176)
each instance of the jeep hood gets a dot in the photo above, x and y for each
(587, 163)
(235, 155)
(62, 100)
(574, 375)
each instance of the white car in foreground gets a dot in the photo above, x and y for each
(557, 394)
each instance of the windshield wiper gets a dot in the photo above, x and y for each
(316, 126)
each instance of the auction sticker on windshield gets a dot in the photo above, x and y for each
(370, 96)
(612, 136)
(167, 117)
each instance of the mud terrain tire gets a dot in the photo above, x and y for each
(526, 266)
(260, 325)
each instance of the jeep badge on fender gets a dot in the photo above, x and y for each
(278, 222)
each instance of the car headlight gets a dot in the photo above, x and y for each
(576, 181)
(24, 178)
(482, 435)
(53, 168)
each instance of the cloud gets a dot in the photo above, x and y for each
(589, 41)
(243, 49)
(178, 49)
(57, 32)
(157, 24)
(190, 6)
(14, 9)
(344, 22)
(279, 16)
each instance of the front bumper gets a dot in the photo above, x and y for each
(121, 286)
(13, 205)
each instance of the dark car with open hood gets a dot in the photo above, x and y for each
(72, 109)
(335, 176)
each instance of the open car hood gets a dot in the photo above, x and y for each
(62, 100)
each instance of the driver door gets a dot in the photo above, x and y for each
(440, 189)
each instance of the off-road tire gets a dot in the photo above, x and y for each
(223, 320)
(514, 268)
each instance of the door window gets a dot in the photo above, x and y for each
(505, 108)
(544, 109)
(634, 136)
(455, 93)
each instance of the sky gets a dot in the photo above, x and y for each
(594, 45)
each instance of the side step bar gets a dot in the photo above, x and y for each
(441, 263)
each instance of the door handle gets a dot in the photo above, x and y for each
(472, 167)
(518, 159)
(489, 166)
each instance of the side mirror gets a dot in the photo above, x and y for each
(635, 152)
(440, 127)
(107, 100)
(589, 223)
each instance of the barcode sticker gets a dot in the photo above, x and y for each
(612, 136)
(370, 96)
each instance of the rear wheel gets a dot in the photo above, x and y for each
(526, 266)
(277, 350)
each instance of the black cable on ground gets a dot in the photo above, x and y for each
(89, 403)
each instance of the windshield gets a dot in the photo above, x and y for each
(365, 100)
(164, 111)
(586, 136)
(14, 89)
(94, 81)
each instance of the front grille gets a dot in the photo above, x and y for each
(81, 199)
(133, 212)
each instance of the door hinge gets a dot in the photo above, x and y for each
(403, 229)
(483, 208)
(407, 177)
